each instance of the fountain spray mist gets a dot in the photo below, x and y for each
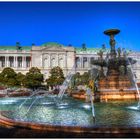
(133, 78)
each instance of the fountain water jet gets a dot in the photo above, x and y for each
(135, 83)
(30, 106)
(66, 82)
(26, 99)
(89, 93)
(33, 93)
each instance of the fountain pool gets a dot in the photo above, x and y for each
(71, 112)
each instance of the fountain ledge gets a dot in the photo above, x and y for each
(84, 131)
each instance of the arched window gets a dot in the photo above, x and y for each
(61, 62)
(53, 62)
(85, 62)
(46, 62)
(77, 62)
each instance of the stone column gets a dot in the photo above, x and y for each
(5, 62)
(23, 61)
(15, 61)
(57, 59)
(88, 59)
(81, 61)
(0, 62)
(65, 60)
(6, 65)
(42, 61)
(50, 61)
(30, 61)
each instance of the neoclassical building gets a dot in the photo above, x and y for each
(49, 55)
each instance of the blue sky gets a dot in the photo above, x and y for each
(69, 23)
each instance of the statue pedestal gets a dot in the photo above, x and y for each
(115, 86)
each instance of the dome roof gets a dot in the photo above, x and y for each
(51, 44)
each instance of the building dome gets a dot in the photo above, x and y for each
(51, 44)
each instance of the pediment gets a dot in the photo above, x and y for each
(53, 48)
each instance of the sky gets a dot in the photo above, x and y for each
(72, 23)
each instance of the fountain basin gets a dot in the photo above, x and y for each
(69, 131)
(111, 32)
(74, 119)
(71, 112)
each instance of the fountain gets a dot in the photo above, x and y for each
(114, 85)
(69, 117)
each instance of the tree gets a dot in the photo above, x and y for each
(81, 79)
(1, 79)
(56, 77)
(34, 70)
(33, 78)
(77, 79)
(20, 79)
(8, 77)
(85, 78)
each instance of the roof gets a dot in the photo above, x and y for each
(89, 50)
(14, 48)
(52, 44)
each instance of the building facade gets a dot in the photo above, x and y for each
(50, 55)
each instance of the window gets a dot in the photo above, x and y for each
(28, 61)
(61, 62)
(2, 60)
(77, 62)
(46, 62)
(85, 62)
(53, 62)
(11, 61)
(19, 60)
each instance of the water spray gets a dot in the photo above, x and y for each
(89, 93)
(134, 79)
(66, 82)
